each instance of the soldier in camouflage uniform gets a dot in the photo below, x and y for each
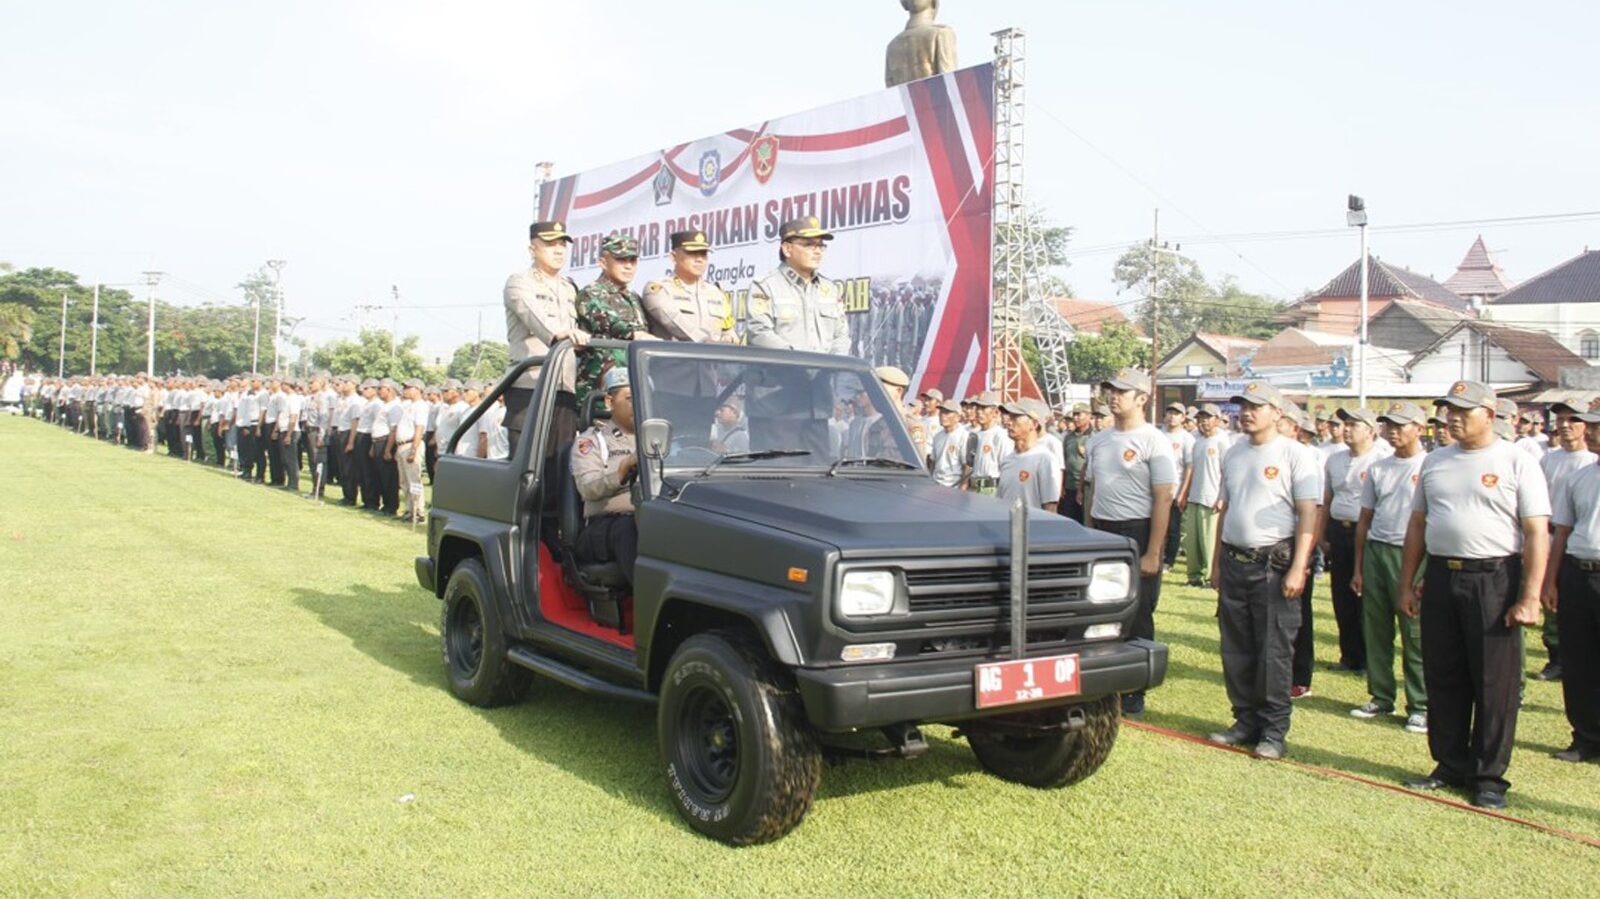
(609, 309)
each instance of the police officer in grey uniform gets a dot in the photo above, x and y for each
(1482, 514)
(795, 307)
(1265, 531)
(1570, 454)
(1030, 470)
(1572, 589)
(1129, 481)
(686, 306)
(541, 309)
(604, 466)
(948, 448)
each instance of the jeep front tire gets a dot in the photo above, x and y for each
(474, 642)
(1054, 758)
(740, 758)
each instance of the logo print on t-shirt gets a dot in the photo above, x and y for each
(1271, 472)
(987, 448)
(1361, 476)
(1129, 454)
(1023, 476)
(1211, 451)
(1489, 480)
(1415, 479)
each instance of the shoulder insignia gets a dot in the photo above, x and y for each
(653, 286)
(584, 446)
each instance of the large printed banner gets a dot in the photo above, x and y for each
(902, 178)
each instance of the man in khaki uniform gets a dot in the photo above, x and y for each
(686, 306)
(541, 309)
(794, 307)
(604, 465)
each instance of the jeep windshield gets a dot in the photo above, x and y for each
(736, 416)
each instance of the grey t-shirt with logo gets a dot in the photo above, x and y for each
(1558, 463)
(1261, 484)
(1577, 506)
(1124, 466)
(1205, 485)
(1474, 500)
(1389, 491)
(1346, 473)
(1033, 475)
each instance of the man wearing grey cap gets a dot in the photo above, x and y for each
(1387, 496)
(1571, 594)
(1130, 480)
(1182, 450)
(987, 446)
(1268, 522)
(1345, 474)
(1481, 515)
(1570, 454)
(1030, 470)
(948, 448)
(1201, 493)
(1075, 449)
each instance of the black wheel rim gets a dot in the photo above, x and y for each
(708, 744)
(465, 639)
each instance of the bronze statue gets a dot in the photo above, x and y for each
(925, 48)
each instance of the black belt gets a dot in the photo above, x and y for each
(1256, 556)
(1347, 525)
(1584, 564)
(1473, 564)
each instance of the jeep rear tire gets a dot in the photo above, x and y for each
(1054, 759)
(740, 758)
(474, 642)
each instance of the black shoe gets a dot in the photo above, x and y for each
(1489, 799)
(1233, 736)
(1132, 705)
(1271, 750)
(1551, 671)
(1430, 783)
(1576, 753)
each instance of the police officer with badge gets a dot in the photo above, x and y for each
(541, 309)
(1265, 529)
(1572, 589)
(604, 466)
(687, 306)
(948, 448)
(1030, 470)
(1481, 514)
(794, 307)
(609, 308)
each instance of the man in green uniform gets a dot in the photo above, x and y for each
(609, 309)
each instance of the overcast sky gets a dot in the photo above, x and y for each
(373, 144)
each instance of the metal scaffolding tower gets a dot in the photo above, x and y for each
(1018, 304)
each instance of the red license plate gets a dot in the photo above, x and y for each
(1027, 680)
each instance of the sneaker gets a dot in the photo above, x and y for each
(1233, 736)
(1551, 671)
(1271, 750)
(1417, 724)
(1370, 710)
(1299, 692)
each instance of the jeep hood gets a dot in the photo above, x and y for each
(874, 514)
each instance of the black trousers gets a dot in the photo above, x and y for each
(1169, 550)
(1258, 627)
(249, 459)
(1305, 648)
(369, 471)
(1579, 624)
(274, 458)
(1070, 506)
(288, 450)
(1471, 663)
(1346, 604)
(195, 438)
(1144, 616)
(219, 445)
(430, 454)
(609, 538)
(335, 454)
(388, 481)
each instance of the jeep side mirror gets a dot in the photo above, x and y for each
(655, 438)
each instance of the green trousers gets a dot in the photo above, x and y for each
(1199, 539)
(1380, 611)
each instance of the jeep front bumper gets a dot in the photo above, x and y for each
(923, 691)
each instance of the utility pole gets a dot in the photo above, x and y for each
(1155, 319)
(277, 301)
(61, 359)
(478, 360)
(394, 333)
(255, 342)
(94, 332)
(1356, 216)
(151, 279)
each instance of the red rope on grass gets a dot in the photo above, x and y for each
(1393, 788)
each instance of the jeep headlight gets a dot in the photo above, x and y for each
(865, 593)
(1110, 581)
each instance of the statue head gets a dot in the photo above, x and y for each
(916, 6)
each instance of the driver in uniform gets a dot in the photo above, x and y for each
(604, 465)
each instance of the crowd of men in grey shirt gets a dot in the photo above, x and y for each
(370, 438)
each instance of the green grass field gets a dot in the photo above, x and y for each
(213, 688)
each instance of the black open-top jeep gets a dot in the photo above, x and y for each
(791, 601)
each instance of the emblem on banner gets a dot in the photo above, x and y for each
(663, 184)
(710, 172)
(764, 157)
